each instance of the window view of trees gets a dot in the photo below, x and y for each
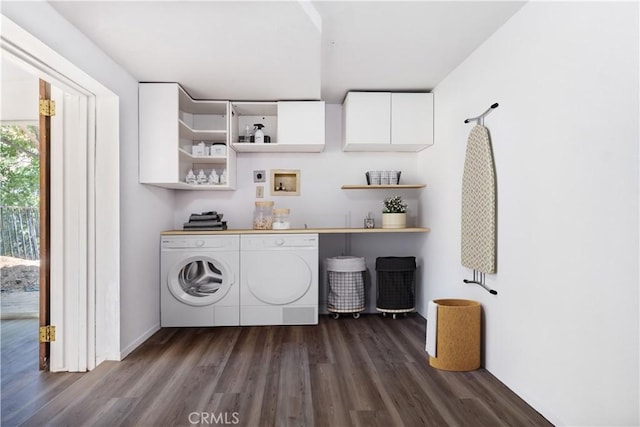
(19, 166)
(19, 194)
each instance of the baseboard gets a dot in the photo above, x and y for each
(542, 409)
(138, 342)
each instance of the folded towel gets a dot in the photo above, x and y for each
(196, 226)
(203, 223)
(206, 216)
(432, 328)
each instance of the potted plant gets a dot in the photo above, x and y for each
(394, 213)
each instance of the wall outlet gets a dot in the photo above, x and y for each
(259, 176)
(259, 191)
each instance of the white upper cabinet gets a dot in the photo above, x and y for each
(292, 126)
(171, 123)
(386, 121)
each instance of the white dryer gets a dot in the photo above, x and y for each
(199, 280)
(279, 282)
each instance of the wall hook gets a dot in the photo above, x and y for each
(480, 118)
(478, 279)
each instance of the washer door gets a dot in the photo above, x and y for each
(277, 277)
(200, 280)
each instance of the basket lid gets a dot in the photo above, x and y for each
(393, 263)
(346, 263)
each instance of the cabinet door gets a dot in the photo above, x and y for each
(158, 133)
(301, 122)
(411, 120)
(366, 120)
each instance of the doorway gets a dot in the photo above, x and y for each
(23, 282)
(84, 257)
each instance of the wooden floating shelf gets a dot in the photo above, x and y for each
(386, 186)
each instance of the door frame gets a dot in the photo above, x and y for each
(96, 287)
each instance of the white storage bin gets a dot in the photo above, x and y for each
(218, 150)
(346, 285)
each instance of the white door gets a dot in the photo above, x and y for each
(277, 277)
(301, 122)
(367, 118)
(200, 280)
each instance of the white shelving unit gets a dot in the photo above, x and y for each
(171, 123)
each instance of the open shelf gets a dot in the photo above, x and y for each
(196, 134)
(220, 160)
(385, 186)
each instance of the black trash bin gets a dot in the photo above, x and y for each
(395, 291)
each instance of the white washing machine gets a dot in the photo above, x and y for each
(279, 282)
(199, 280)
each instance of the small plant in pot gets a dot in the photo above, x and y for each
(394, 213)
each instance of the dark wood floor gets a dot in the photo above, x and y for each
(365, 372)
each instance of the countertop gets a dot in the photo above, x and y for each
(300, 231)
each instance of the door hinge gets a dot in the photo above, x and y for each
(47, 333)
(47, 107)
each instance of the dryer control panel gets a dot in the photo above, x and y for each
(258, 242)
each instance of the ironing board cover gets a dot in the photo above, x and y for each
(478, 248)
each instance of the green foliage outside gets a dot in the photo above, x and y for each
(19, 165)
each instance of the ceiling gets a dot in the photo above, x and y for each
(283, 50)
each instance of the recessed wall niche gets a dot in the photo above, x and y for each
(285, 182)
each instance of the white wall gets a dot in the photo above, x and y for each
(322, 203)
(144, 211)
(563, 330)
(18, 94)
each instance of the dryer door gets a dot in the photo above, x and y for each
(277, 277)
(200, 280)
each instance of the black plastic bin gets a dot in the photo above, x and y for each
(396, 290)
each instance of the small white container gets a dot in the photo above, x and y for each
(281, 219)
(218, 150)
(198, 150)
